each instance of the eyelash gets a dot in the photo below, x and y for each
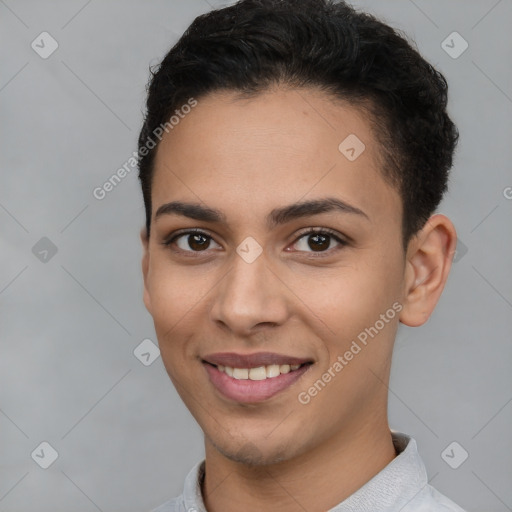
(310, 231)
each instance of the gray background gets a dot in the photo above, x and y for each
(69, 325)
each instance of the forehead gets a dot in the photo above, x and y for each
(275, 148)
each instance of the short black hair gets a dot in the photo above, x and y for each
(253, 45)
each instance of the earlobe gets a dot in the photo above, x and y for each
(145, 267)
(429, 259)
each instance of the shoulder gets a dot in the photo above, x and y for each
(430, 499)
(190, 500)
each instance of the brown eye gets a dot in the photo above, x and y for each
(197, 242)
(191, 241)
(318, 241)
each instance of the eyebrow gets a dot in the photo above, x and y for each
(276, 217)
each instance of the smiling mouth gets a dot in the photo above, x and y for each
(256, 384)
(258, 373)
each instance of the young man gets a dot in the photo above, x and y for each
(292, 156)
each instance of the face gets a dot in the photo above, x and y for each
(252, 279)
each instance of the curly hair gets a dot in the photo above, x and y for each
(253, 45)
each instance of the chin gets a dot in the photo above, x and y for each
(252, 454)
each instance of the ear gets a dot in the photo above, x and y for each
(428, 262)
(145, 266)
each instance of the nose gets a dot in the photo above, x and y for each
(249, 297)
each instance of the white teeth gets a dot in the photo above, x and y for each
(259, 373)
(272, 370)
(240, 373)
(284, 368)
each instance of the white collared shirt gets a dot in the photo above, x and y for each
(402, 486)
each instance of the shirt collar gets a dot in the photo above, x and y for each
(389, 490)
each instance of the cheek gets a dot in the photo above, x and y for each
(174, 301)
(351, 299)
(173, 291)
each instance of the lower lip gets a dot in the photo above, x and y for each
(252, 391)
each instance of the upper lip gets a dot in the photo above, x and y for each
(235, 360)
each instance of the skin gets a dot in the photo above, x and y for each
(246, 158)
